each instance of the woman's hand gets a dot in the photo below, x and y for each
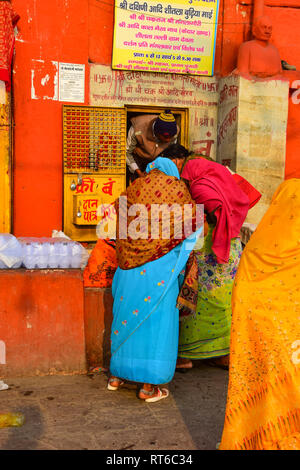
(140, 173)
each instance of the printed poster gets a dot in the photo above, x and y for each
(71, 82)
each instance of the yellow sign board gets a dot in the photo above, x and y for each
(164, 37)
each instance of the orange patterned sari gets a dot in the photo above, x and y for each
(263, 403)
(102, 265)
(154, 189)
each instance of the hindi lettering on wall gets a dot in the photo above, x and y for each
(163, 37)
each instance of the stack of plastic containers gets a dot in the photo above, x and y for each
(43, 253)
(40, 253)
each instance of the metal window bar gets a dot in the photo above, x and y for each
(94, 139)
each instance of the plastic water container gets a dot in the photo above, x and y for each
(65, 254)
(46, 254)
(76, 255)
(28, 258)
(53, 258)
(40, 255)
(10, 252)
(51, 253)
(2, 265)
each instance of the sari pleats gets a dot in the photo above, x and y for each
(263, 403)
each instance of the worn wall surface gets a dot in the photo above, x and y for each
(235, 17)
(42, 322)
(49, 32)
(228, 121)
(292, 167)
(198, 94)
(261, 138)
(252, 126)
(81, 31)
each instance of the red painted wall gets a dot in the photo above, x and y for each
(79, 31)
(42, 322)
(48, 31)
(292, 167)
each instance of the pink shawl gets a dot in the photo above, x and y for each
(212, 185)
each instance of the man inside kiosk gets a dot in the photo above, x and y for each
(148, 136)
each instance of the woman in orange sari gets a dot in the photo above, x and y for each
(263, 402)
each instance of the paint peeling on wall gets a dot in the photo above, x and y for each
(29, 16)
(44, 80)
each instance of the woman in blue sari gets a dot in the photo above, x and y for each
(144, 338)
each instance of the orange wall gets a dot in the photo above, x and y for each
(235, 19)
(48, 31)
(74, 31)
(80, 31)
(42, 322)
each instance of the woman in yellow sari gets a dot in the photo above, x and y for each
(263, 402)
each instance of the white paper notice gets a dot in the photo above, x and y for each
(71, 82)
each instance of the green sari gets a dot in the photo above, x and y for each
(205, 329)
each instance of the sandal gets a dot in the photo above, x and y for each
(156, 394)
(114, 383)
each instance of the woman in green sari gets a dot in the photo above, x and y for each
(205, 298)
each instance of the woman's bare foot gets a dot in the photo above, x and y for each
(183, 363)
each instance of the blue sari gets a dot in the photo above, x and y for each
(145, 328)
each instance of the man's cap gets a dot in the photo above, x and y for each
(165, 124)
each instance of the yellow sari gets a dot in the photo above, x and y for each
(263, 402)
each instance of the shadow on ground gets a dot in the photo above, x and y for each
(78, 412)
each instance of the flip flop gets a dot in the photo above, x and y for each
(93, 370)
(114, 387)
(162, 393)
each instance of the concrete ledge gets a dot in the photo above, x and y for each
(41, 322)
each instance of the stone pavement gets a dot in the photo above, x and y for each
(78, 412)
